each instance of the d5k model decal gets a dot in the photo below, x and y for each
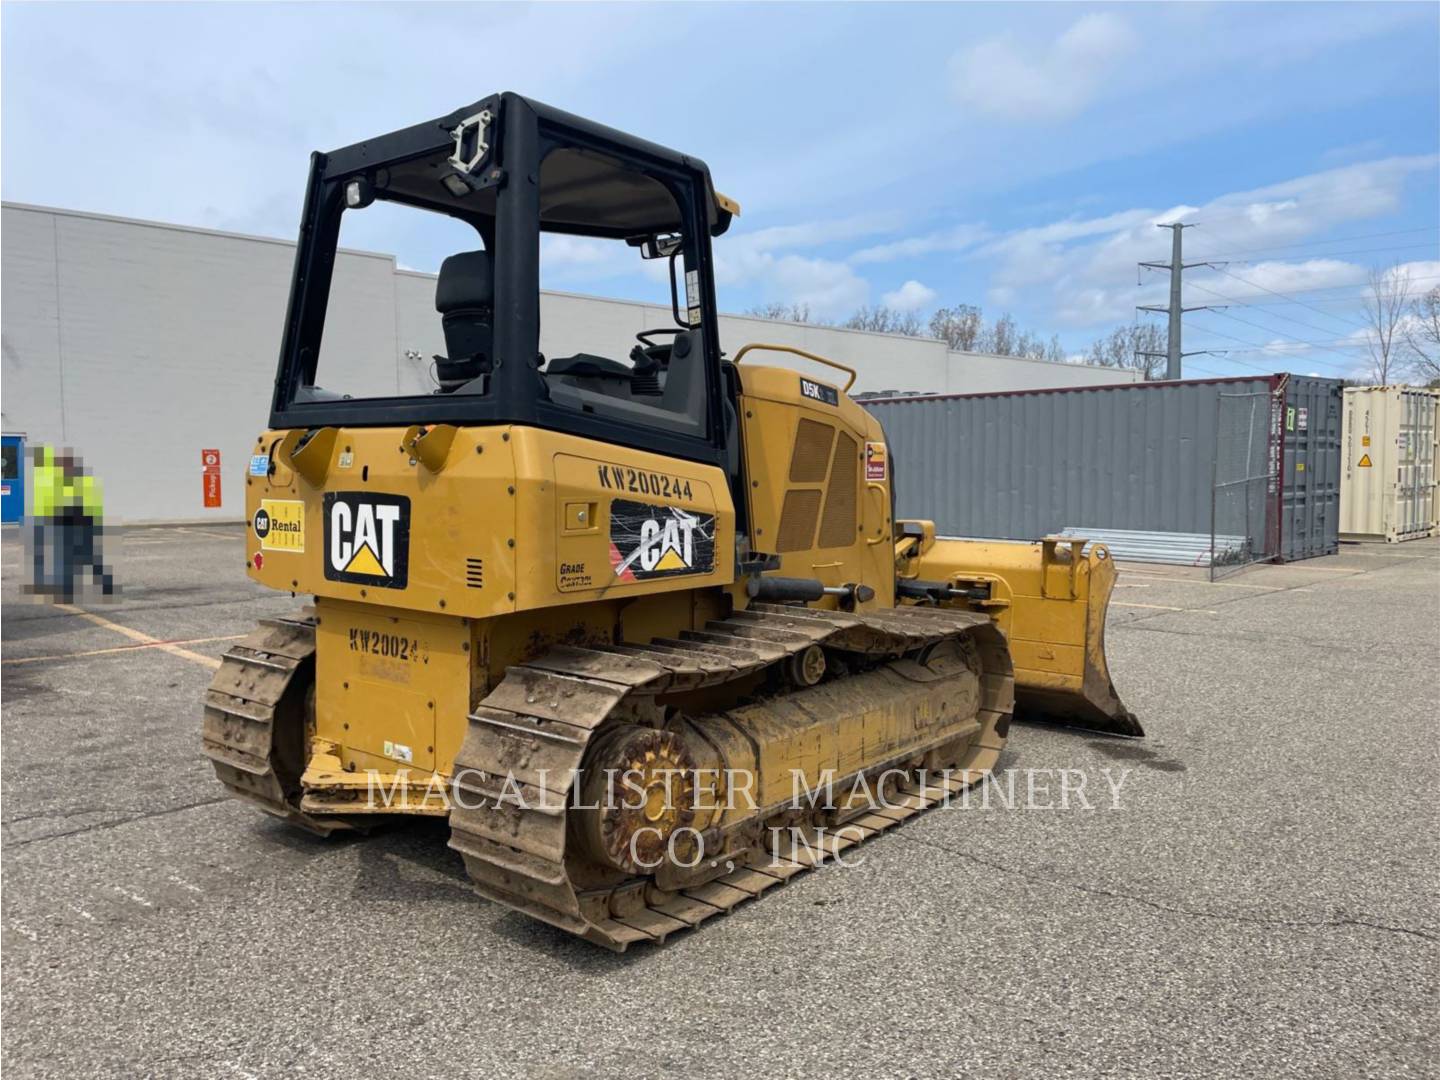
(648, 541)
(367, 538)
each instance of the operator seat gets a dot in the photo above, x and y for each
(465, 299)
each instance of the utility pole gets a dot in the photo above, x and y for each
(1176, 266)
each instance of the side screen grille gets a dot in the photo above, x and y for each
(811, 453)
(797, 519)
(838, 527)
(475, 573)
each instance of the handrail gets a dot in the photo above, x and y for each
(807, 355)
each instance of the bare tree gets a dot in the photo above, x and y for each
(884, 320)
(958, 326)
(1000, 337)
(1386, 304)
(1036, 347)
(1422, 334)
(779, 312)
(1135, 347)
(962, 328)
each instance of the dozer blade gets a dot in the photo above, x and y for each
(1050, 600)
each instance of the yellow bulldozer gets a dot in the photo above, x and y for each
(620, 615)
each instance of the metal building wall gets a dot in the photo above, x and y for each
(1022, 465)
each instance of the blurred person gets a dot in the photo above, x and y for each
(45, 492)
(82, 518)
(66, 520)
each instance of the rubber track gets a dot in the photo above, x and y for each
(535, 726)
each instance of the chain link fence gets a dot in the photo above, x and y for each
(1245, 482)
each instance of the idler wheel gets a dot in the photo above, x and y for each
(638, 789)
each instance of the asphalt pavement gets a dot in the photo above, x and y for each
(1258, 898)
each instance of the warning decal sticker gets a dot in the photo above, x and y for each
(367, 538)
(1365, 461)
(874, 461)
(648, 541)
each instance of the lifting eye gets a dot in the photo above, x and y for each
(471, 141)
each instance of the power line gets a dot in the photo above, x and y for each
(1333, 240)
(1271, 349)
(1301, 203)
(1427, 245)
(1328, 346)
(1265, 304)
(1355, 288)
(1230, 359)
(1275, 315)
(1309, 255)
(1344, 343)
(1302, 303)
(1331, 288)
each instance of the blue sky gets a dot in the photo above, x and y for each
(1011, 156)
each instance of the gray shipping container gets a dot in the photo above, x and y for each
(1193, 456)
(1310, 481)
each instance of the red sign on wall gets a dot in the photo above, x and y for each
(210, 460)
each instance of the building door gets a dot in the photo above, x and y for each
(12, 486)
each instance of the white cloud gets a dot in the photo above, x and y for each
(1294, 209)
(770, 263)
(1423, 274)
(958, 238)
(1088, 265)
(767, 262)
(912, 296)
(826, 287)
(1021, 81)
(1250, 282)
(561, 251)
(811, 234)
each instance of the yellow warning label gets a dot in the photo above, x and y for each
(1300, 466)
(1365, 461)
(1364, 440)
(280, 525)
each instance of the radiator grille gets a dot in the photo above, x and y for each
(797, 519)
(838, 527)
(811, 453)
(475, 573)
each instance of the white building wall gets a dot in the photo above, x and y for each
(140, 344)
(31, 382)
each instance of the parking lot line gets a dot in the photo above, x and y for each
(142, 638)
(1202, 581)
(118, 649)
(1163, 607)
(212, 535)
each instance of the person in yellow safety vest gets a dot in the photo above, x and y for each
(67, 511)
(84, 513)
(47, 494)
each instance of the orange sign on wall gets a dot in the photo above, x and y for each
(210, 478)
